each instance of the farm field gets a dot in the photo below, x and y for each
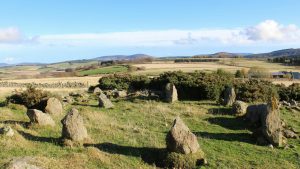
(104, 70)
(227, 64)
(154, 68)
(134, 132)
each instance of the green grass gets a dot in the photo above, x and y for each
(123, 136)
(104, 70)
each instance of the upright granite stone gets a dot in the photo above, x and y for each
(7, 131)
(40, 118)
(229, 96)
(120, 94)
(104, 101)
(171, 93)
(73, 127)
(97, 90)
(180, 139)
(294, 103)
(21, 163)
(54, 106)
(254, 113)
(239, 108)
(271, 123)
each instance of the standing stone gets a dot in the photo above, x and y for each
(54, 106)
(40, 118)
(21, 163)
(254, 113)
(229, 96)
(290, 134)
(294, 103)
(7, 131)
(171, 93)
(68, 99)
(285, 103)
(180, 139)
(97, 90)
(271, 123)
(239, 108)
(121, 93)
(104, 101)
(73, 127)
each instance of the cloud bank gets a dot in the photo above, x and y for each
(10, 35)
(268, 31)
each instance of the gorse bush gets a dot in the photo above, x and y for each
(203, 86)
(258, 72)
(289, 93)
(255, 90)
(196, 85)
(30, 98)
(124, 82)
(190, 86)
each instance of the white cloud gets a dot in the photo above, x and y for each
(268, 31)
(10, 35)
(9, 59)
(145, 38)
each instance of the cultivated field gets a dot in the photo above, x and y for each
(227, 64)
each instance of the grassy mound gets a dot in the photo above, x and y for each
(177, 160)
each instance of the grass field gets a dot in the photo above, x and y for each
(154, 68)
(227, 64)
(126, 136)
(104, 70)
(123, 136)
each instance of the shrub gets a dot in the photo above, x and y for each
(289, 93)
(116, 81)
(69, 70)
(196, 85)
(132, 68)
(255, 90)
(30, 98)
(258, 72)
(238, 74)
(124, 82)
(202, 86)
(177, 160)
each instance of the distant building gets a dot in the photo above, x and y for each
(108, 63)
(295, 75)
(284, 74)
(277, 75)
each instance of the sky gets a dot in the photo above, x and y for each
(57, 30)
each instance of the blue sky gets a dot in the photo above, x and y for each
(57, 30)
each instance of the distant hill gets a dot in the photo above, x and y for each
(4, 64)
(222, 55)
(121, 57)
(276, 54)
(30, 64)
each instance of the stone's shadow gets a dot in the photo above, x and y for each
(31, 137)
(146, 98)
(237, 123)
(3, 104)
(22, 123)
(220, 111)
(241, 137)
(205, 104)
(149, 155)
(86, 105)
